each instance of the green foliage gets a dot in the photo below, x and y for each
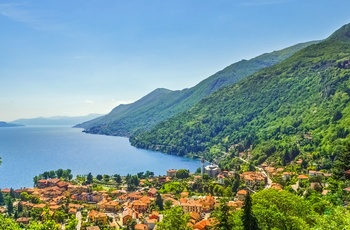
(8, 224)
(281, 210)
(162, 104)
(248, 218)
(159, 202)
(224, 218)
(182, 173)
(174, 218)
(283, 111)
(65, 174)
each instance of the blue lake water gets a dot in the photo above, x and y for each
(31, 150)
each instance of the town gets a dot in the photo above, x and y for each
(139, 201)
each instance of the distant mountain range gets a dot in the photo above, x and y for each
(57, 120)
(162, 104)
(5, 124)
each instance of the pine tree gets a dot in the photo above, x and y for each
(248, 218)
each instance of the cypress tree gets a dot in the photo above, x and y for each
(248, 218)
(159, 202)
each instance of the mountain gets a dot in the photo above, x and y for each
(57, 120)
(299, 108)
(162, 104)
(5, 124)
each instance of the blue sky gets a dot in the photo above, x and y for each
(64, 57)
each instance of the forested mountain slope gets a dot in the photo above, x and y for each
(299, 107)
(162, 104)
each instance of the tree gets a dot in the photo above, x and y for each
(59, 173)
(8, 224)
(223, 217)
(174, 218)
(106, 177)
(12, 193)
(99, 177)
(159, 202)
(89, 178)
(182, 173)
(248, 219)
(342, 163)
(117, 178)
(2, 200)
(72, 224)
(9, 204)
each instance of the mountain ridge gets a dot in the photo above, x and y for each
(55, 120)
(161, 104)
(299, 107)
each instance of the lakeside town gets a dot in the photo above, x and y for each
(139, 201)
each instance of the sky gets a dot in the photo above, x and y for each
(72, 58)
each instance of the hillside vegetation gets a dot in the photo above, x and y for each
(297, 108)
(162, 104)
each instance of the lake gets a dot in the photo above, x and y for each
(31, 150)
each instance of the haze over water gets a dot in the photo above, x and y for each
(31, 150)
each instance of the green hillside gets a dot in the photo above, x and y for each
(162, 104)
(299, 107)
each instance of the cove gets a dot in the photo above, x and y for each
(30, 150)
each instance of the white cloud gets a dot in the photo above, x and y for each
(119, 102)
(89, 101)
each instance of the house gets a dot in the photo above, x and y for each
(128, 215)
(276, 186)
(93, 228)
(253, 178)
(347, 174)
(212, 170)
(23, 220)
(235, 205)
(208, 203)
(141, 227)
(241, 194)
(111, 206)
(152, 192)
(162, 179)
(302, 177)
(96, 216)
(286, 176)
(220, 178)
(312, 173)
(202, 225)
(47, 183)
(154, 215)
(171, 172)
(139, 206)
(192, 206)
(151, 223)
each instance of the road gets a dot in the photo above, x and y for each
(78, 216)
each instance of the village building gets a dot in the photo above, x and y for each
(241, 194)
(96, 216)
(171, 172)
(141, 227)
(152, 192)
(191, 206)
(253, 178)
(286, 176)
(212, 170)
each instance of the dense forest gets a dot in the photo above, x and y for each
(297, 108)
(162, 104)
